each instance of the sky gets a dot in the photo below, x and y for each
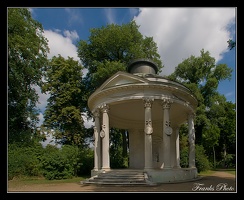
(179, 32)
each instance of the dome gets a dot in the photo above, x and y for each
(142, 66)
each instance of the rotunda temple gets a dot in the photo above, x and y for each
(152, 108)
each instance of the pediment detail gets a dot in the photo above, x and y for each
(121, 78)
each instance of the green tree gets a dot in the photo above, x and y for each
(202, 76)
(110, 49)
(227, 141)
(63, 112)
(118, 152)
(27, 57)
(202, 162)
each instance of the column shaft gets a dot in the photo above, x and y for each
(97, 142)
(148, 133)
(167, 131)
(191, 138)
(105, 138)
(177, 148)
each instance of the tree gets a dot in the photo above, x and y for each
(231, 44)
(202, 75)
(63, 112)
(27, 57)
(227, 124)
(110, 49)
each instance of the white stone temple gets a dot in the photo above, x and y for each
(151, 108)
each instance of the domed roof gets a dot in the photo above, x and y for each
(142, 66)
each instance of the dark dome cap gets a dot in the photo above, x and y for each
(142, 66)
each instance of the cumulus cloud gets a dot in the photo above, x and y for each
(182, 32)
(62, 44)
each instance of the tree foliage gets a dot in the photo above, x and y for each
(63, 112)
(118, 148)
(202, 76)
(60, 163)
(49, 162)
(27, 57)
(24, 160)
(110, 49)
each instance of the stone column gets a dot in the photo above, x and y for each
(148, 130)
(177, 148)
(191, 139)
(104, 133)
(173, 147)
(167, 131)
(97, 141)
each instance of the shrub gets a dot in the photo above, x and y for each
(202, 162)
(23, 161)
(59, 163)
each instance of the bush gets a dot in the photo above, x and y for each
(50, 162)
(23, 161)
(59, 163)
(202, 162)
(227, 162)
(85, 162)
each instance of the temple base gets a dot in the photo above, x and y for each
(172, 175)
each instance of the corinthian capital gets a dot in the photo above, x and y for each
(166, 103)
(104, 108)
(148, 102)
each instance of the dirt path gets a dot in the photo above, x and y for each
(217, 182)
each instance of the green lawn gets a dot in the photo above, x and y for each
(38, 180)
(209, 172)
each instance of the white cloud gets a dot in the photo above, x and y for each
(110, 15)
(88, 123)
(50, 140)
(71, 34)
(41, 119)
(74, 16)
(42, 102)
(62, 45)
(182, 32)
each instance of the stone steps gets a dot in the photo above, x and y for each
(119, 177)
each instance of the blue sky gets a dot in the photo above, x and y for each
(178, 33)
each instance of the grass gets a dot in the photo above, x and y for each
(40, 180)
(209, 172)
